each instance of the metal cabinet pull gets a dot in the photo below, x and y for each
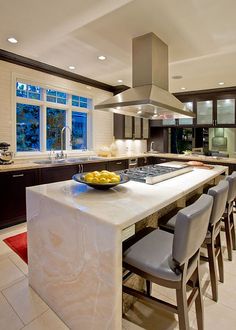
(82, 168)
(17, 175)
(163, 159)
(118, 163)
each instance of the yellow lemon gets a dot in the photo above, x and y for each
(88, 177)
(115, 180)
(95, 180)
(103, 180)
(104, 175)
(96, 173)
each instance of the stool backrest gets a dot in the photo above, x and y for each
(232, 187)
(191, 228)
(220, 195)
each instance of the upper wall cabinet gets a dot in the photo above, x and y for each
(205, 113)
(212, 108)
(127, 127)
(225, 112)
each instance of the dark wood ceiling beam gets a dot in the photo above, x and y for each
(50, 69)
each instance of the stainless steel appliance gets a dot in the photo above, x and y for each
(5, 155)
(152, 174)
(149, 97)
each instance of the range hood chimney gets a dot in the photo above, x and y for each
(149, 98)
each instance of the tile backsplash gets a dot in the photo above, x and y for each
(131, 146)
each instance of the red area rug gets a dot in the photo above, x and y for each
(18, 244)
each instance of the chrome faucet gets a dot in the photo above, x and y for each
(62, 155)
(151, 146)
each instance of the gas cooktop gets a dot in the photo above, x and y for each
(152, 174)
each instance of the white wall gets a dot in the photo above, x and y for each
(102, 125)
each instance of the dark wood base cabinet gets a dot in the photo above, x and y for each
(12, 195)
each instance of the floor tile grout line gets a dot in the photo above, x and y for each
(17, 265)
(13, 283)
(20, 316)
(4, 297)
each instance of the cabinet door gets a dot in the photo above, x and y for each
(90, 167)
(145, 129)
(226, 112)
(128, 127)
(187, 121)
(205, 113)
(117, 165)
(13, 195)
(137, 128)
(58, 173)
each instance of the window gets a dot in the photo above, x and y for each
(56, 120)
(28, 91)
(82, 102)
(55, 96)
(79, 130)
(27, 127)
(41, 113)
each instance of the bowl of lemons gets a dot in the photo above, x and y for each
(101, 180)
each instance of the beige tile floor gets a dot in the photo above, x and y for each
(22, 308)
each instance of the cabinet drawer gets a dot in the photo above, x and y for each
(90, 167)
(59, 173)
(118, 165)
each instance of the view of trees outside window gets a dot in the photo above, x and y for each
(28, 91)
(79, 130)
(38, 103)
(56, 120)
(55, 96)
(28, 127)
(82, 102)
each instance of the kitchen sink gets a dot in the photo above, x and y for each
(67, 160)
(48, 161)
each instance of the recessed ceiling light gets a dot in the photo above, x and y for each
(117, 108)
(221, 83)
(102, 58)
(177, 77)
(72, 67)
(12, 40)
(183, 88)
(154, 116)
(88, 87)
(139, 112)
(119, 80)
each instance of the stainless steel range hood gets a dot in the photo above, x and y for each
(149, 97)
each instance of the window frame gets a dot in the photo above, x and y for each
(43, 114)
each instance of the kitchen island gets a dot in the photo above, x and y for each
(75, 242)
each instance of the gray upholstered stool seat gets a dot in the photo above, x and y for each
(153, 255)
(173, 260)
(228, 216)
(212, 240)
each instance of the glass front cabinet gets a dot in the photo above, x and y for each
(211, 109)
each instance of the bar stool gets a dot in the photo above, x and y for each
(228, 216)
(213, 239)
(173, 260)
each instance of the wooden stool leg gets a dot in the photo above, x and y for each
(182, 308)
(232, 231)
(212, 266)
(220, 259)
(199, 303)
(228, 237)
(149, 287)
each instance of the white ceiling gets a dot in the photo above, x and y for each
(201, 35)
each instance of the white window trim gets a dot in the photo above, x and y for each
(43, 105)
